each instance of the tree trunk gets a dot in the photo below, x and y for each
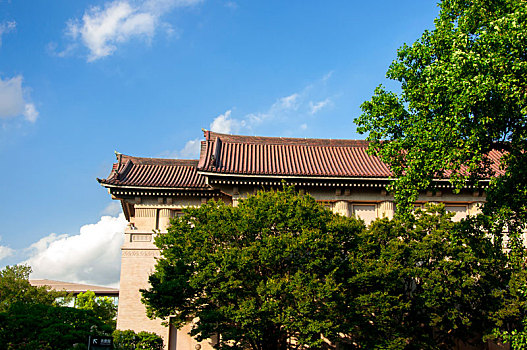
(274, 339)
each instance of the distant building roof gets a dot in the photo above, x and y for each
(75, 288)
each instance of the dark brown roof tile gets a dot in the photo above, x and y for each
(155, 172)
(280, 156)
(256, 155)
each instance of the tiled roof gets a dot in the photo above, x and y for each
(253, 155)
(74, 288)
(259, 156)
(494, 157)
(155, 172)
(268, 156)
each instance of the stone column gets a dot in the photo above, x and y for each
(342, 208)
(387, 209)
(164, 218)
(145, 219)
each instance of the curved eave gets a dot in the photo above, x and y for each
(310, 177)
(118, 192)
(314, 181)
(150, 188)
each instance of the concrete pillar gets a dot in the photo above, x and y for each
(387, 209)
(145, 219)
(164, 218)
(342, 208)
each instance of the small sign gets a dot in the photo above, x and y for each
(100, 343)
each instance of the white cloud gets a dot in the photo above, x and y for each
(327, 76)
(30, 112)
(13, 100)
(288, 102)
(286, 113)
(6, 27)
(191, 150)
(93, 256)
(160, 7)
(231, 5)
(5, 251)
(317, 106)
(285, 108)
(223, 123)
(103, 28)
(113, 208)
(52, 49)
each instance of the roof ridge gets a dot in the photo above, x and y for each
(44, 280)
(230, 138)
(172, 161)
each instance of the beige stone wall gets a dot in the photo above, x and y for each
(138, 260)
(136, 266)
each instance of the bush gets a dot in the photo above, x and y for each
(26, 326)
(103, 307)
(129, 340)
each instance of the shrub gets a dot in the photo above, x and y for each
(129, 340)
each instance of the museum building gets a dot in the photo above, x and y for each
(337, 173)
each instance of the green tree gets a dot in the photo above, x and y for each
(423, 283)
(463, 94)
(15, 288)
(259, 274)
(38, 326)
(103, 307)
(463, 97)
(124, 340)
(129, 340)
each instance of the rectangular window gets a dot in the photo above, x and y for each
(460, 211)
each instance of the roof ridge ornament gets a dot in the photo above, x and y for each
(119, 157)
(206, 133)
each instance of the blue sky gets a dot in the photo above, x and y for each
(80, 79)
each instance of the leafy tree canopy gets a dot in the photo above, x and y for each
(423, 283)
(15, 288)
(463, 95)
(129, 340)
(463, 92)
(47, 327)
(259, 274)
(103, 307)
(279, 271)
